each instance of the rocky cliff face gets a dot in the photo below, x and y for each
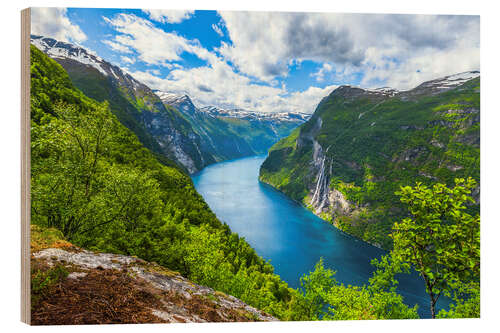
(360, 145)
(159, 127)
(100, 288)
(170, 124)
(228, 134)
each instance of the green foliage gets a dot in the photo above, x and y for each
(386, 269)
(374, 146)
(440, 239)
(42, 280)
(101, 88)
(329, 300)
(103, 190)
(467, 303)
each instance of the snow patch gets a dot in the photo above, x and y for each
(62, 50)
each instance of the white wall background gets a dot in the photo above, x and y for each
(10, 160)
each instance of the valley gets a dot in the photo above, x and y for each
(170, 124)
(206, 192)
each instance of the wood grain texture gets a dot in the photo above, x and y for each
(25, 166)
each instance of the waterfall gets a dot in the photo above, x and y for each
(319, 181)
(320, 197)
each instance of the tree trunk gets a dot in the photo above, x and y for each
(433, 309)
(434, 299)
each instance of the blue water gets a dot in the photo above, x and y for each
(288, 235)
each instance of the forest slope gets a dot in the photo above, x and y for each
(361, 145)
(95, 182)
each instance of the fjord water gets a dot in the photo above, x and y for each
(289, 235)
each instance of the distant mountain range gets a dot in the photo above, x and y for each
(229, 134)
(168, 124)
(254, 115)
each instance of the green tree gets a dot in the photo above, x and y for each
(75, 188)
(440, 239)
(330, 300)
(467, 303)
(93, 180)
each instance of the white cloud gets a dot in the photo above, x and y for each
(127, 60)
(117, 47)
(308, 100)
(54, 22)
(168, 16)
(257, 43)
(264, 43)
(173, 65)
(155, 46)
(218, 30)
(322, 72)
(422, 65)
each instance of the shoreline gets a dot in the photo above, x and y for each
(324, 220)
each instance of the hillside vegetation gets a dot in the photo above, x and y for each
(97, 193)
(94, 181)
(360, 146)
(72, 286)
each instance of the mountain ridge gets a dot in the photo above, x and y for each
(360, 145)
(232, 134)
(162, 125)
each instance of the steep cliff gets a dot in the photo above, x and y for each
(361, 145)
(161, 128)
(228, 134)
(169, 125)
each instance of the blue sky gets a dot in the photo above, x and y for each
(268, 61)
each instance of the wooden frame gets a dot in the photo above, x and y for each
(25, 166)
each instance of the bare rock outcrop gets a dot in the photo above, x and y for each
(125, 289)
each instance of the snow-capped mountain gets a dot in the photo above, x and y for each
(255, 115)
(182, 102)
(439, 85)
(61, 50)
(450, 81)
(185, 102)
(252, 133)
(387, 91)
(78, 59)
(171, 98)
(435, 86)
